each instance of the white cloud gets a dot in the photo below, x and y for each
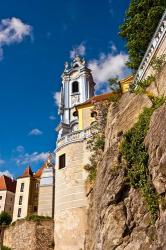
(20, 148)
(7, 173)
(78, 50)
(57, 98)
(31, 158)
(113, 47)
(2, 162)
(12, 31)
(108, 66)
(51, 117)
(35, 131)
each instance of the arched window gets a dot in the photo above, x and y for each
(75, 87)
(76, 65)
(75, 113)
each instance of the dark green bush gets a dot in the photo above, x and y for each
(5, 248)
(5, 218)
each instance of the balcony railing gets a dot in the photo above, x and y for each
(75, 136)
(153, 46)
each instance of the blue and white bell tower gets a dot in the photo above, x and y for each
(77, 87)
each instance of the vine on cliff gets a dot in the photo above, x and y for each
(136, 156)
(97, 141)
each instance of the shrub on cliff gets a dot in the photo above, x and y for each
(136, 156)
(5, 248)
(34, 217)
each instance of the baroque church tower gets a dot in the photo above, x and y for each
(77, 87)
(71, 157)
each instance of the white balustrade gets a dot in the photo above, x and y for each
(158, 36)
(75, 136)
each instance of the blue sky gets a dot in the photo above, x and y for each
(36, 38)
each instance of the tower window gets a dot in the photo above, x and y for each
(20, 200)
(62, 161)
(22, 187)
(19, 212)
(75, 87)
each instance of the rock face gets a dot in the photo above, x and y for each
(118, 217)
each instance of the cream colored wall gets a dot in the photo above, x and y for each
(9, 205)
(70, 198)
(45, 201)
(2, 202)
(7, 202)
(25, 194)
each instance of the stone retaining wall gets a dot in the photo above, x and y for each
(31, 235)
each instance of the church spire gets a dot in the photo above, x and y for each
(77, 87)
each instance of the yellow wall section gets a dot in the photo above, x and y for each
(125, 83)
(84, 114)
(80, 122)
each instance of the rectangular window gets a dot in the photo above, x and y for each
(19, 212)
(22, 187)
(35, 209)
(20, 200)
(37, 186)
(0, 197)
(62, 161)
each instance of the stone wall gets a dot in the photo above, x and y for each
(30, 235)
(70, 198)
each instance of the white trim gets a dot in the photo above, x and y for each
(153, 46)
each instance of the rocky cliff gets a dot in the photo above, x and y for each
(118, 217)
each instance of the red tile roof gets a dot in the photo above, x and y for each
(27, 172)
(8, 184)
(97, 98)
(40, 170)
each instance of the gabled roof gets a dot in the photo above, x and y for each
(97, 98)
(129, 79)
(8, 184)
(27, 173)
(40, 170)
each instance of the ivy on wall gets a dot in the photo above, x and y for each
(136, 156)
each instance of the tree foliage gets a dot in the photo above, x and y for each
(141, 20)
(114, 84)
(5, 218)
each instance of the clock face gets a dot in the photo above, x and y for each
(74, 74)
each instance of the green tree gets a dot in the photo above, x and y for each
(5, 218)
(114, 84)
(141, 20)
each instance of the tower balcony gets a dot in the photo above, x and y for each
(72, 137)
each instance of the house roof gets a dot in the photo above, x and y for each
(8, 184)
(27, 173)
(97, 98)
(129, 79)
(40, 170)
